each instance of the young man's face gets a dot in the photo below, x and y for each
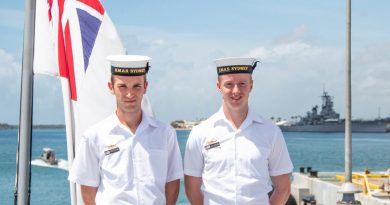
(235, 89)
(128, 91)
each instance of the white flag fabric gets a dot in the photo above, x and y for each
(72, 40)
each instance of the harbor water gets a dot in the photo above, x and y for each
(322, 151)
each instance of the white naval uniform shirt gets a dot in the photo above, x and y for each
(236, 165)
(128, 168)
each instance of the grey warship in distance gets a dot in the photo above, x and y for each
(328, 120)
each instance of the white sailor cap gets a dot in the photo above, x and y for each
(129, 65)
(235, 65)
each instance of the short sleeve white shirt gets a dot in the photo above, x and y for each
(128, 168)
(236, 164)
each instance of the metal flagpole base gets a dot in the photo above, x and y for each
(349, 190)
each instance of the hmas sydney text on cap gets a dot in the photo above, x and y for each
(235, 65)
(129, 65)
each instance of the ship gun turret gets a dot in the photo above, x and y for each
(327, 114)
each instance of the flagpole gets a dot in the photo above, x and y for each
(348, 189)
(348, 106)
(70, 133)
(23, 175)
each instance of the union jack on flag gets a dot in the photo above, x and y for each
(90, 15)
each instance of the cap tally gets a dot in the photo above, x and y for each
(235, 65)
(129, 65)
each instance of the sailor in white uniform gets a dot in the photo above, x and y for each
(236, 155)
(129, 157)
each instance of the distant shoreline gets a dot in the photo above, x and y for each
(183, 129)
(5, 126)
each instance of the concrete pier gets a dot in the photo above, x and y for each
(325, 189)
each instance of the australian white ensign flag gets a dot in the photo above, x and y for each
(72, 40)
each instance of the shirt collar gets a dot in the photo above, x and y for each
(250, 118)
(149, 120)
(145, 122)
(254, 117)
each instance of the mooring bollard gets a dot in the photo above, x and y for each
(309, 200)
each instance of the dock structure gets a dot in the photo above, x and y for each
(325, 188)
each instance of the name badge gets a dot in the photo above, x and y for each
(212, 145)
(110, 151)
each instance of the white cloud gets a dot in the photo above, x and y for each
(182, 77)
(47, 94)
(299, 33)
(9, 87)
(294, 69)
(290, 79)
(370, 75)
(9, 72)
(280, 51)
(293, 75)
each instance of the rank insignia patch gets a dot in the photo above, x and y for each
(212, 144)
(111, 149)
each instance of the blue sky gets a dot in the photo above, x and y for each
(301, 45)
